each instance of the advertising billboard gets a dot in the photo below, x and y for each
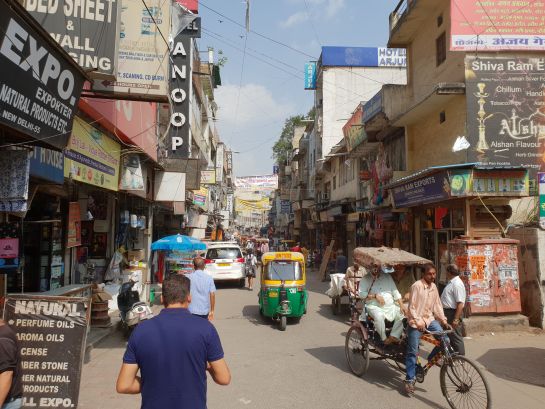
(363, 57)
(75, 26)
(143, 57)
(39, 86)
(353, 130)
(496, 26)
(91, 157)
(257, 183)
(310, 75)
(506, 111)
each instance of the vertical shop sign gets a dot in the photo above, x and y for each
(51, 332)
(39, 87)
(497, 26)
(73, 236)
(219, 162)
(505, 112)
(185, 28)
(74, 27)
(310, 75)
(541, 180)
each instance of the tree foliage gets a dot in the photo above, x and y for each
(283, 146)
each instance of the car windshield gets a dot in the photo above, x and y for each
(283, 271)
(224, 253)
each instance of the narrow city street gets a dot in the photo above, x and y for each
(305, 366)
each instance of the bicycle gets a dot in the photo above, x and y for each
(462, 383)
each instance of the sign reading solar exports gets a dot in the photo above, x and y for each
(506, 111)
(497, 25)
(51, 332)
(39, 87)
(92, 157)
(75, 24)
(428, 189)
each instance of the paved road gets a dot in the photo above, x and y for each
(305, 366)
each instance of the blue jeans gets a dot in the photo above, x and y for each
(14, 404)
(413, 341)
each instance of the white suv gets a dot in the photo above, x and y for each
(224, 261)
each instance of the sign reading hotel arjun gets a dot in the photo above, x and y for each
(91, 157)
(497, 25)
(506, 111)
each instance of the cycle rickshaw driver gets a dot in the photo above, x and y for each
(425, 312)
(383, 302)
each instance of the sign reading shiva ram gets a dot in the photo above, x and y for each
(506, 111)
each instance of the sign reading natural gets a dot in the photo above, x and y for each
(51, 332)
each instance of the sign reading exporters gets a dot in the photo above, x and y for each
(506, 111)
(429, 189)
(497, 25)
(74, 25)
(310, 75)
(91, 157)
(39, 87)
(51, 332)
(143, 63)
(185, 27)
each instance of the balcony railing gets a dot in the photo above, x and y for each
(403, 8)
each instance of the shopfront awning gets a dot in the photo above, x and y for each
(440, 183)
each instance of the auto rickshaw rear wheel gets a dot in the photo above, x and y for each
(283, 322)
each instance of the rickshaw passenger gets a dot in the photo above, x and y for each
(383, 302)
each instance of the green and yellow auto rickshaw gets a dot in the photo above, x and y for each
(283, 292)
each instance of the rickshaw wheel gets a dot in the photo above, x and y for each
(356, 350)
(283, 322)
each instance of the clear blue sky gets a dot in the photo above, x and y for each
(257, 96)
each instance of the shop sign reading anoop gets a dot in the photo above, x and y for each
(180, 86)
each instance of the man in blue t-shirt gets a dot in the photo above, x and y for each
(173, 351)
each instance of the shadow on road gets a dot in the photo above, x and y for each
(251, 313)
(525, 365)
(326, 311)
(380, 373)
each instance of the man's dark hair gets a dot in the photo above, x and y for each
(198, 263)
(453, 269)
(428, 267)
(176, 289)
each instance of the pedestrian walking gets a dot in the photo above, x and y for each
(11, 386)
(453, 299)
(251, 267)
(203, 291)
(173, 351)
(341, 263)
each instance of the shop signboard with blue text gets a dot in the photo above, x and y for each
(428, 189)
(91, 157)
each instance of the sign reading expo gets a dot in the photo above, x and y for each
(74, 25)
(39, 88)
(506, 111)
(180, 86)
(51, 332)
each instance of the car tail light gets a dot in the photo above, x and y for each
(208, 261)
(240, 260)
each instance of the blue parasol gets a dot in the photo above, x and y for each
(178, 242)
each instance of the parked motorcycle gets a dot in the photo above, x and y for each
(131, 309)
